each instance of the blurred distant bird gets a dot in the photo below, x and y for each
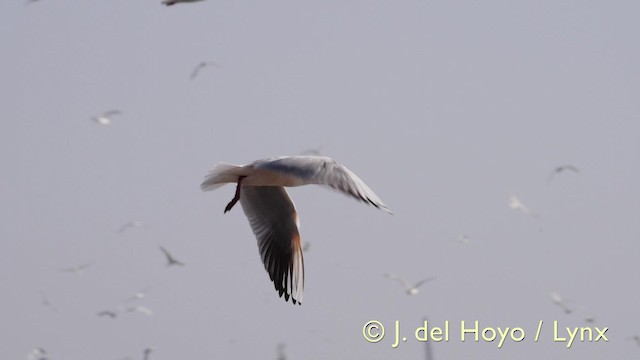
(635, 338)
(516, 204)
(109, 313)
(173, 2)
(409, 288)
(29, 2)
(146, 353)
(46, 302)
(281, 354)
(201, 66)
(562, 168)
(272, 214)
(78, 270)
(130, 225)
(105, 119)
(37, 354)
(141, 309)
(558, 300)
(170, 259)
(138, 296)
(463, 239)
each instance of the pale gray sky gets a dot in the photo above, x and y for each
(443, 108)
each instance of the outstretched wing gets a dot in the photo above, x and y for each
(274, 221)
(324, 171)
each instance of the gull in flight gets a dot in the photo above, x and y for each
(201, 66)
(109, 313)
(409, 288)
(558, 300)
(105, 119)
(37, 354)
(516, 204)
(130, 225)
(141, 309)
(173, 2)
(272, 214)
(170, 259)
(562, 168)
(78, 270)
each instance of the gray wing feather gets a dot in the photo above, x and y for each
(274, 222)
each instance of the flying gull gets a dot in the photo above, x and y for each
(170, 259)
(561, 169)
(558, 300)
(272, 214)
(78, 270)
(516, 204)
(201, 66)
(173, 2)
(409, 288)
(105, 119)
(130, 225)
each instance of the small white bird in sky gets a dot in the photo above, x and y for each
(558, 300)
(105, 118)
(201, 66)
(141, 309)
(37, 354)
(516, 204)
(272, 214)
(78, 270)
(173, 2)
(170, 259)
(411, 289)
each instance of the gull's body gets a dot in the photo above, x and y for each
(170, 259)
(173, 2)
(558, 300)
(411, 289)
(272, 214)
(201, 66)
(105, 119)
(141, 309)
(109, 313)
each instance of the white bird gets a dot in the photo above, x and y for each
(562, 168)
(105, 119)
(409, 288)
(173, 2)
(272, 214)
(463, 239)
(558, 300)
(170, 259)
(78, 270)
(37, 354)
(201, 66)
(516, 204)
(141, 309)
(138, 295)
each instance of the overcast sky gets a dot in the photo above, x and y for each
(442, 107)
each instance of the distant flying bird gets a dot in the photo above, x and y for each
(46, 302)
(272, 214)
(130, 225)
(635, 338)
(558, 300)
(146, 353)
(78, 270)
(562, 168)
(105, 119)
(516, 204)
(37, 354)
(141, 309)
(173, 2)
(170, 259)
(109, 313)
(281, 354)
(138, 296)
(411, 289)
(29, 2)
(463, 239)
(201, 66)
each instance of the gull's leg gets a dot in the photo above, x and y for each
(236, 196)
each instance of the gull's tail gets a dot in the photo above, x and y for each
(221, 174)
